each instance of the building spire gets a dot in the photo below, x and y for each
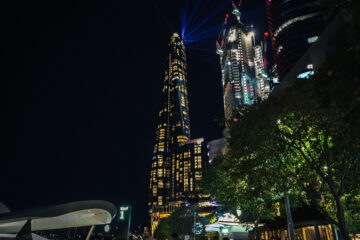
(236, 11)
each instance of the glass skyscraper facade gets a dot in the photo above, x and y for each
(243, 72)
(294, 26)
(177, 160)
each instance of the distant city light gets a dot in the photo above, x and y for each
(266, 34)
(236, 120)
(227, 15)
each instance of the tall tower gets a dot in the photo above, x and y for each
(243, 72)
(177, 160)
(294, 26)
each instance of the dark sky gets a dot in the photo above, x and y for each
(80, 85)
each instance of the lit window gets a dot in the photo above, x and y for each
(186, 180)
(294, 20)
(160, 184)
(312, 39)
(162, 134)
(198, 162)
(161, 146)
(197, 150)
(198, 176)
(306, 74)
(160, 161)
(160, 200)
(160, 172)
(182, 138)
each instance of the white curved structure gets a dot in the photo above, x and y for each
(69, 215)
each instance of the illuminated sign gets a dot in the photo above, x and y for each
(124, 212)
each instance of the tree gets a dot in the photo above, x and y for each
(304, 140)
(225, 185)
(306, 135)
(182, 222)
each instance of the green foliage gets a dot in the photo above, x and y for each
(352, 213)
(182, 222)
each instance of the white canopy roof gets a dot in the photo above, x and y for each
(69, 215)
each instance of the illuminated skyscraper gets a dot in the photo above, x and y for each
(243, 68)
(244, 75)
(177, 161)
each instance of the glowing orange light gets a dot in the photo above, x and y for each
(266, 34)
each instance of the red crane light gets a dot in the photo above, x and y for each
(266, 34)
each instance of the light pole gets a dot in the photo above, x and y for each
(290, 222)
(194, 224)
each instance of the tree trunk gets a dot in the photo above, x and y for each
(341, 218)
(257, 230)
(339, 208)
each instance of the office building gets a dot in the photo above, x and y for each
(244, 77)
(294, 26)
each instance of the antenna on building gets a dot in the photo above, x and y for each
(266, 35)
(236, 10)
(223, 29)
(219, 49)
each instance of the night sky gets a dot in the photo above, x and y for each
(81, 84)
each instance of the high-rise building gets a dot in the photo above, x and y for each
(244, 73)
(177, 160)
(244, 76)
(294, 26)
